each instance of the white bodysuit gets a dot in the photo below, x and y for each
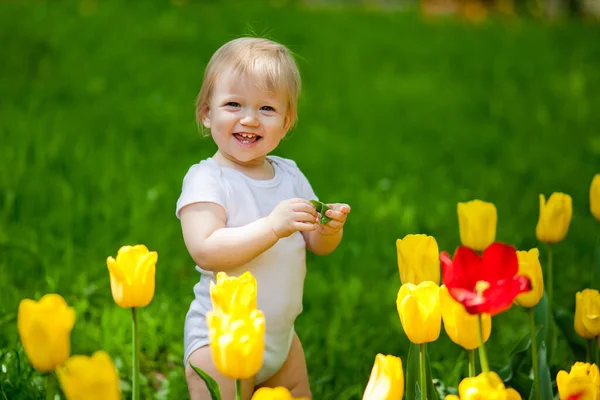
(279, 271)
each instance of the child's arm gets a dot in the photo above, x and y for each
(217, 248)
(326, 239)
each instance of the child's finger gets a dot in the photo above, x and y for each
(305, 226)
(334, 225)
(336, 215)
(305, 217)
(345, 208)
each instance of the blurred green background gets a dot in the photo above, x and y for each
(401, 117)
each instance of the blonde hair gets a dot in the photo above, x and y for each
(270, 63)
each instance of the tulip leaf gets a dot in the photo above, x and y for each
(460, 366)
(596, 272)
(517, 355)
(541, 318)
(521, 383)
(211, 384)
(544, 371)
(321, 209)
(564, 321)
(432, 393)
(412, 387)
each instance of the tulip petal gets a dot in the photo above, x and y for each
(92, 378)
(146, 267)
(116, 271)
(500, 261)
(499, 297)
(44, 328)
(512, 394)
(595, 197)
(472, 301)
(464, 270)
(386, 381)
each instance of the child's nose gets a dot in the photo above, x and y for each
(250, 119)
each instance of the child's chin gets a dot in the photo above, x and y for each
(245, 157)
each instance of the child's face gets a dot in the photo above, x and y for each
(246, 122)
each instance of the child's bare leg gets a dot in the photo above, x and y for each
(202, 358)
(293, 373)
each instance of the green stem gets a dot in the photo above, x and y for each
(238, 389)
(534, 355)
(588, 352)
(50, 390)
(550, 291)
(595, 346)
(422, 372)
(135, 357)
(482, 355)
(472, 363)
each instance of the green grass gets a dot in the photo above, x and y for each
(400, 118)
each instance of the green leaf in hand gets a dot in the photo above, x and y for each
(211, 384)
(321, 209)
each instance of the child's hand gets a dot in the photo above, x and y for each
(338, 214)
(291, 216)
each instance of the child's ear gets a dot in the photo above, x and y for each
(205, 115)
(287, 123)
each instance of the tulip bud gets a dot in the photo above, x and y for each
(387, 379)
(555, 217)
(278, 393)
(419, 310)
(529, 265)
(477, 222)
(132, 276)
(232, 295)
(484, 387)
(237, 343)
(462, 327)
(587, 313)
(45, 328)
(418, 259)
(595, 197)
(90, 378)
(583, 382)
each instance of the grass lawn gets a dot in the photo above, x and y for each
(400, 117)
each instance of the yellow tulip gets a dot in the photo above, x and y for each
(418, 259)
(132, 276)
(462, 327)
(582, 381)
(419, 310)
(529, 265)
(278, 393)
(237, 343)
(477, 222)
(387, 379)
(233, 294)
(45, 329)
(484, 387)
(90, 378)
(595, 197)
(555, 217)
(587, 313)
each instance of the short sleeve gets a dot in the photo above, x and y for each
(305, 189)
(202, 184)
(302, 186)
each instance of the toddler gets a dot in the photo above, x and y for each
(245, 210)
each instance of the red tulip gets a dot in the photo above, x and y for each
(487, 284)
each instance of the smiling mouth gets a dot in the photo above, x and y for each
(247, 138)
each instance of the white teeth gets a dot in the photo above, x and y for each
(246, 135)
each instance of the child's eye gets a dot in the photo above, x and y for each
(267, 108)
(232, 104)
